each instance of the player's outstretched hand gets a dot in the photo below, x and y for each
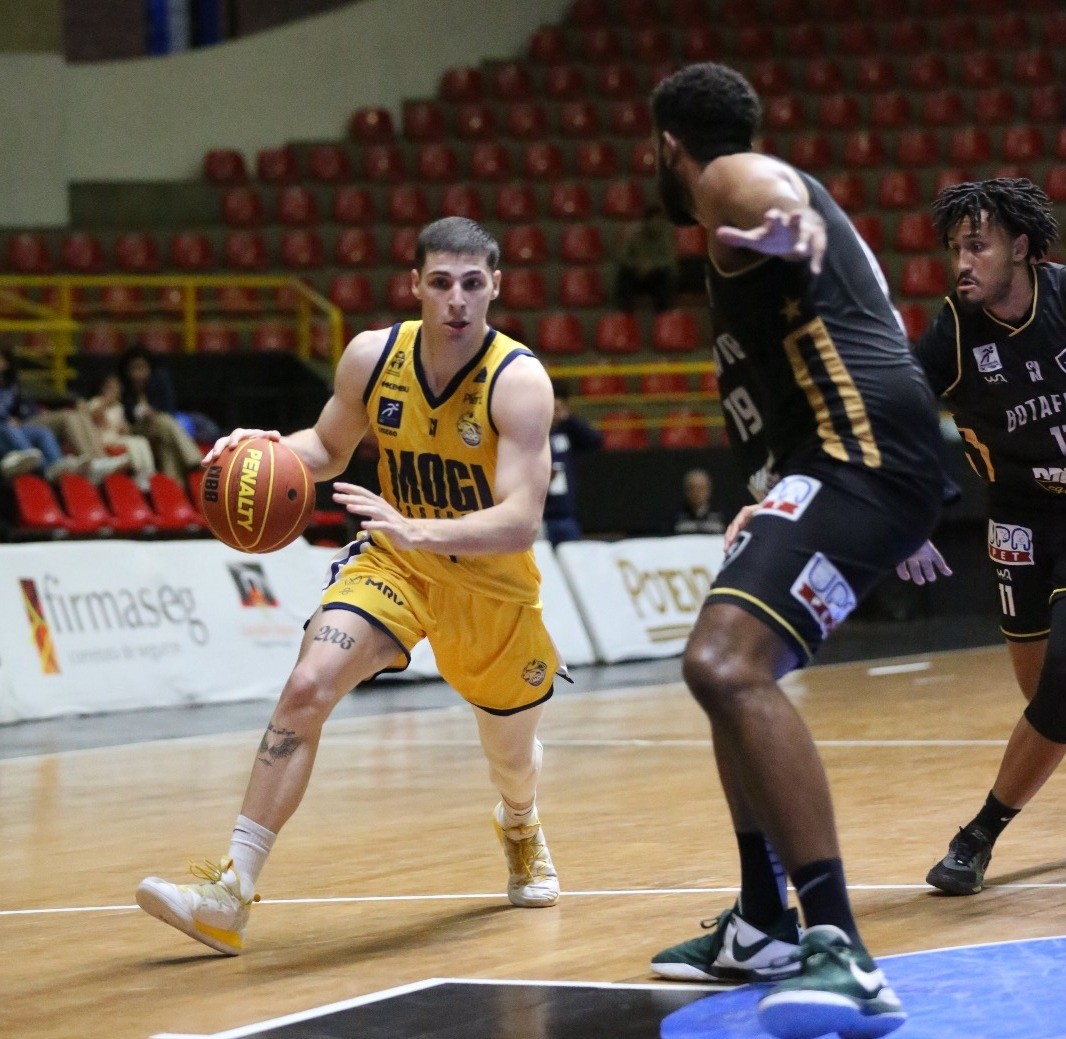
(799, 235)
(234, 438)
(377, 512)
(740, 521)
(923, 565)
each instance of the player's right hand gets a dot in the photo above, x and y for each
(234, 438)
(740, 521)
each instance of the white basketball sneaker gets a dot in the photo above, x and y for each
(533, 881)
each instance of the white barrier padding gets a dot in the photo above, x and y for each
(640, 598)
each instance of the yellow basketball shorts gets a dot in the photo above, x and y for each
(497, 655)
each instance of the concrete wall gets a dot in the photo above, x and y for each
(153, 119)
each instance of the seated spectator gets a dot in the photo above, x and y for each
(109, 420)
(695, 516)
(647, 263)
(570, 434)
(15, 461)
(150, 407)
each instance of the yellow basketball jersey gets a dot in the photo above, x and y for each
(438, 457)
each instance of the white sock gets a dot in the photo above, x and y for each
(512, 817)
(249, 847)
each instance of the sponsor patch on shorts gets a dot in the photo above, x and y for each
(789, 498)
(824, 593)
(1010, 544)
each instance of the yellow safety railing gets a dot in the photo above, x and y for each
(62, 316)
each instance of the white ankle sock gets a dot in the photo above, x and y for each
(249, 847)
(511, 817)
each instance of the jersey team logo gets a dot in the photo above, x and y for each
(824, 593)
(535, 672)
(1010, 544)
(789, 498)
(469, 430)
(390, 412)
(987, 358)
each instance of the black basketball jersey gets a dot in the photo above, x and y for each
(1006, 387)
(817, 366)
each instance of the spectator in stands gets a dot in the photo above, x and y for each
(570, 435)
(647, 263)
(696, 516)
(830, 410)
(14, 461)
(109, 420)
(994, 350)
(150, 406)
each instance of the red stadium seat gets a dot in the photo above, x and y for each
(804, 40)
(127, 503)
(915, 319)
(569, 200)
(28, 253)
(423, 121)
(949, 175)
(328, 163)
(623, 200)
(969, 145)
(811, 151)
(1055, 183)
(216, 339)
(848, 189)
(618, 333)
(526, 120)
(542, 160)
(927, 72)
(356, 247)
(874, 73)
(171, 504)
(462, 84)
(652, 43)
(642, 159)
(823, 76)
(512, 81)
(981, 69)
(190, 251)
(1045, 104)
(624, 430)
(403, 245)
(84, 505)
(785, 112)
(277, 165)
(616, 80)
(437, 162)
(383, 163)
(685, 428)
(237, 299)
(564, 82)
(407, 204)
(509, 324)
(859, 38)
(296, 206)
(242, 207)
(586, 13)
(37, 509)
(560, 334)
(638, 12)
(942, 108)
(581, 287)
(599, 43)
(274, 337)
(691, 241)
(890, 110)
(398, 293)
(674, 332)
(1023, 144)
(1009, 30)
(863, 149)
(907, 36)
(516, 202)
(995, 105)
(917, 148)
(755, 41)
(578, 119)
(548, 44)
(353, 205)
(82, 253)
(490, 160)
(122, 300)
(923, 276)
(915, 233)
(770, 76)
(475, 121)
(462, 200)
(838, 112)
(353, 293)
(524, 244)
(103, 340)
(137, 252)
(661, 384)
(1033, 68)
(870, 230)
(898, 190)
(523, 289)
(225, 166)
(597, 159)
(581, 243)
(629, 118)
(371, 126)
(160, 339)
(603, 384)
(301, 249)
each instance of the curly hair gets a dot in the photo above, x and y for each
(710, 108)
(1014, 203)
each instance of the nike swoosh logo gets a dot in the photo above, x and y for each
(741, 952)
(870, 983)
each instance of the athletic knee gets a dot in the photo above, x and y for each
(717, 676)
(306, 697)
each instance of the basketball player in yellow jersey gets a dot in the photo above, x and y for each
(462, 415)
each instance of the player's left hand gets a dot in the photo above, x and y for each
(923, 565)
(378, 513)
(799, 235)
(740, 521)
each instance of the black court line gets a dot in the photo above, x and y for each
(447, 1008)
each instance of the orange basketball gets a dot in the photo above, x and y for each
(257, 496)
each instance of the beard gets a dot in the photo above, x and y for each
(674, 197)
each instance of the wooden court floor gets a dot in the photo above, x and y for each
(389, 874)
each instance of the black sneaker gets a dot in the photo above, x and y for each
(962, 870)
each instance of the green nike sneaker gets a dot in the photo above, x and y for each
(735, 950)
(838, 990)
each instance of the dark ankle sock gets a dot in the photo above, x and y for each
(994, 816)
(762, 880)
(823, 894)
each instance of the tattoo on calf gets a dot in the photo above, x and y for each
(277, 744)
